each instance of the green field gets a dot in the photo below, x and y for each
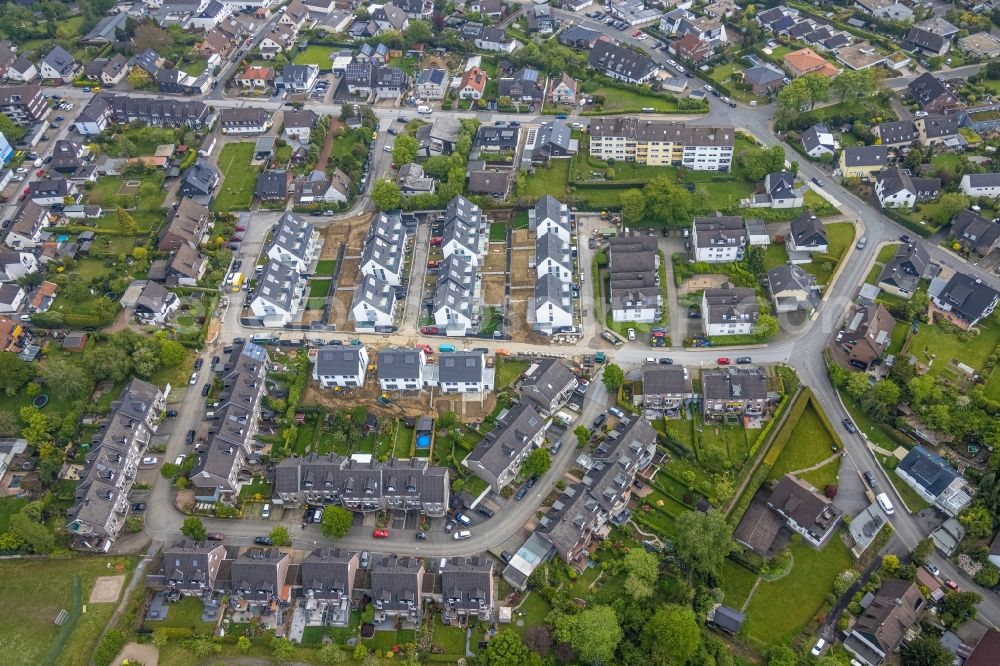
(314, 55)
(617, 100)
(780, 609)
(239, 178)
(932, 343)
(840, 236)
(507, 372)
(809, 444)
(737, 581)
(33, 593)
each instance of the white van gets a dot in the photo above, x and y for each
(462, 534)
(266, 511)
(617, 412)
(818, 648)
(883, 501)
(462, 518)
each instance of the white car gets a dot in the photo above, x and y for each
(194, 379)
(387, 149)
(817, 649)
(642, 37)
(920, 114)
(150, 460)
(631, 335)
(180, 459)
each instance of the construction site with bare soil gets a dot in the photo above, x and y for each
(349, 233)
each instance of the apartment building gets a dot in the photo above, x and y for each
(497, 458)
(662, 143)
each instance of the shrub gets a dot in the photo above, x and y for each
(109, 647)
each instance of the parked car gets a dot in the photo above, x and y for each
(862, 242)
(849, 426)
(743, 360)
(817, 649)
(265, 513)
(931, 569)
(870, 480)
(381, 534)
(631, 334)
(462, 534)
(818, 182)
(171, 413)
(532, 480)
(449, 526)
(150, 460)
(599, 421)
(189, 438)
(519, 495)
(952, 585)
(206, 389)
(139, 507)
(421, 536)
(723, 361)
(666, 361)
(484, 511)
(180, 459)
(194, 378)
(215, 536)
(198, 362)
(262, 541)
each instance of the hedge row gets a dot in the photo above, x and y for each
(781, 438)
(766, 431)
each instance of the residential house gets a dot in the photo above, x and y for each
(863, 161)
(402, 369)
(692, 49)
(296, 15)
(883, 624)
(902, 274)
(390, 83)
(621, 63)
(462, 230)
(12, 297)
(495, 9)
(473, 84)
(104, 110)
(729, 310)
(540, 19)
(925, 43)
(439, 137)
(792, 289)
(633, 267)
(279, 296)
(981, 185)
(101, 497)
(390, 17)
(59, 65)
(805, 511)
(806, 61)
(552, 308)
(110, 72)
(273, 186)
(280, 39)
(200, 180)
(186, 266)
(550, 216)
(552, 257)
(986, 649)
(866, 335)
(298, 78)
(397, 587)
(764, 80)
(295, 243)
(887, 10)
(932, 95)
(526, 85)
(552, 140)
(418, 10)
(155, 304)
(256, 78)
(895, 188)
(384, 252)
(431, 84)
(818, 141)
(963, 300)
(43, 297)
(719, 238)
(190, 568)
(22, 70)
(68, 156)
(896, 133)
(806, 235)
(328, 582)
(187, 224)
(367, 486)
(15, 264)
(463, 372)
(975, 233)
(662, 143)
(939, 130)
(245, 120)
(27, 225)
(779, 192)
(737, 391)
(345, 366)
(456, 296)
(665, 389)
(578, 37)
(373, 306)
(258, 578)
(213, 13)
(935, 480)
(24, 105)
(495, 39)
(981, 45)
(412, 181)
(563, 90)
(548, 383)
(467, 590)
(682, 22)
(498, 457)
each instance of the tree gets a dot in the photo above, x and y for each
(9, 129)
(642, 568)
(279, 536)
(126, 223)
(856, 385)
(193, 528)
(332, 654)
(504, 649)
(703, 541)
(818, 87)
(14, 373)
(890, 565)
(582, 435)
(633, 206)
(851, 84)
(668, 203)
(957, 607)
(404, 149)
(33, 534)
(794, 97)
(781, 655)
(765, 327)
(386, 195)
(926, 651)
(537, 462)
(988, 576)
(243, 644)
(594, 633)
(65, 380)
(139, 78)
(948, 206)
(336, 521)
(283, 648)
(613, 378)
(172, 353)
(672, 635)
(977, 521)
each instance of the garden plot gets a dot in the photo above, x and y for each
(350, 274)
(493, 289)
(496, 258)
(521, 275)
(340, 310)
(523, 239)
(520, 330)
(468, 408)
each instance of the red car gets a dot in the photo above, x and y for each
(432, 264)
(437, 240)
(381, 534)
(236, 239)
(40, 172)
(723, 361)
(953, 585)
(241, 228)
(637, 33)
(426, 349)
(429, 330)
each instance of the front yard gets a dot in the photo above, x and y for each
(239, 178)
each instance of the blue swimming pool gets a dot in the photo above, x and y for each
(423, 441)
(62, 238)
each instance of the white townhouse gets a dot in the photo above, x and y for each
(402, 369)
(729, 310)
(295, 243)
(550, 216)
(462, 226)
(553, 305)
(279, 296)
(718, 239)
(341, 365)
(463, 372)
(384, 253)
(552, 257)
(373, 305)
(981, 185)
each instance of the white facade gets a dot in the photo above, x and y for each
(708, 158)
(348, 377)
(25, 265)
(989, 187)
(457, 323)
(897, 199)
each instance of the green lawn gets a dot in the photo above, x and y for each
(737, 581)
(33, 593)
(8, 507)
(498, 232)
(840, 236)
(450, 638)
(809, 443)
(552, 180)
(931, 343)
(824, 476)
(186, 614)
(195, 67)
(403, 441)
(314, 55)
(144, 204)
(239, 178)
(532, 611)
(319, 288)
(780, 609)
(508, 371)
(721, 443)
(887, 253)
(617, 100)
(326, 267)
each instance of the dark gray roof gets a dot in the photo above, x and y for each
(728, 619)
(733, 383)
(906, 267)
(60, 60)
(277, 284)
(789, 276)
(553, 134)
(936, 126)
(513, 433)
(339, 360)
(720, 231)
(202, 176)
(968, 297)
(618, 61)
(462, 367)
(378, 294)
(411, 479)
(190, 565)
(763, 74)
(550, 208)
(327, 573)
(435, 76)
(897, 131)
(984, 179)
(546, 380)
(729, 304)
(272, 185)
(399, 363)
(860, 156)
(665, 380)
(926, 88)
(808, 231)
(257, 572)
(927, 468)
(975, 231)
(550, 246)
(467, 582)
(924, 39)
(386, 242)
(396, 582)
(292, 235)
